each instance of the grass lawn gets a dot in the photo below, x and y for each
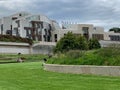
(31, 76)
(25, 57)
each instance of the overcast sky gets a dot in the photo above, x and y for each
(105, 13)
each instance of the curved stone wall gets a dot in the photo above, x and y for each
(84, 69)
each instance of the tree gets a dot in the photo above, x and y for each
(68, 42)
(81, 43)
(94, 44)
(115, 29)
(71, 42)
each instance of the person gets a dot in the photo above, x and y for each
(19, 58)
(44, 60)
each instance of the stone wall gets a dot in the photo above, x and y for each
(14, 48)
(24, 48)
(84, 69)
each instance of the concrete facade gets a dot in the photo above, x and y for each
(41, 28)
(87, 30)
(84, 69)
(24, 48)
(14, 48)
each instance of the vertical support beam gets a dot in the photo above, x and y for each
(30, 49)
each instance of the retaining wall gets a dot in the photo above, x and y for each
(81, 69)
(13, 48)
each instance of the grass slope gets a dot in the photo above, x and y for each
(31, 76)
(25, 57)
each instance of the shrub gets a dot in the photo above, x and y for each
(81, 43)
(66, 43)
(110, 51)
(94, 44)
(9, 38)
(74, 54)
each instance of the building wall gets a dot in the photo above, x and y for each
(24, 48)
(25, 21)
(43, 49)
(6, 21)
(77, 29)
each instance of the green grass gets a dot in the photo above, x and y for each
(104, 57)
(26, 57)
(31, 76)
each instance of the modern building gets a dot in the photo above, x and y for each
(87, 30)
(41, 28)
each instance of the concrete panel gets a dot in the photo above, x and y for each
(81, 69)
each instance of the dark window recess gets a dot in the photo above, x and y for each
(45, 31)
(85, 30)
(44, 37)
(49, 33)
(48, 38)
(17, 33)
(18, 23)
(9, 32)
(27, 32)
(20, 14)
(98, 36)
(55, 36)
(14, 18)
(11, 27)
(114, 37)
(2, 29)
(50, 27)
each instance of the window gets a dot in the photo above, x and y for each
(14, 18)
(114, 37)
(20, 14)
(18, 23)
(98, 36)
(1, 28)
(85, 30)
(9, 32)
(11, 27)
(55, 36)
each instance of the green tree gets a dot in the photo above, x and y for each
(81, 43)
(115, 29)
(68, 42)
(94, 44)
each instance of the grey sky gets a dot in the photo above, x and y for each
(104, 13)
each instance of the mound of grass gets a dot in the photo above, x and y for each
(5, 58)
(104, 56)
(31, 76)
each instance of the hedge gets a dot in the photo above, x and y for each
(9, 38)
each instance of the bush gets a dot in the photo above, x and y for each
(112, 50)
(72, 42)
(74, 54)
(9, 38)
(81, 43)
(94, 44)
(66, 43)
(96, 57)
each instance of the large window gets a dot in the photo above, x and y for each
(114, 37)
(98, 36)
(1, 28)
(55, 36)
(18, 23)
(85, 30)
